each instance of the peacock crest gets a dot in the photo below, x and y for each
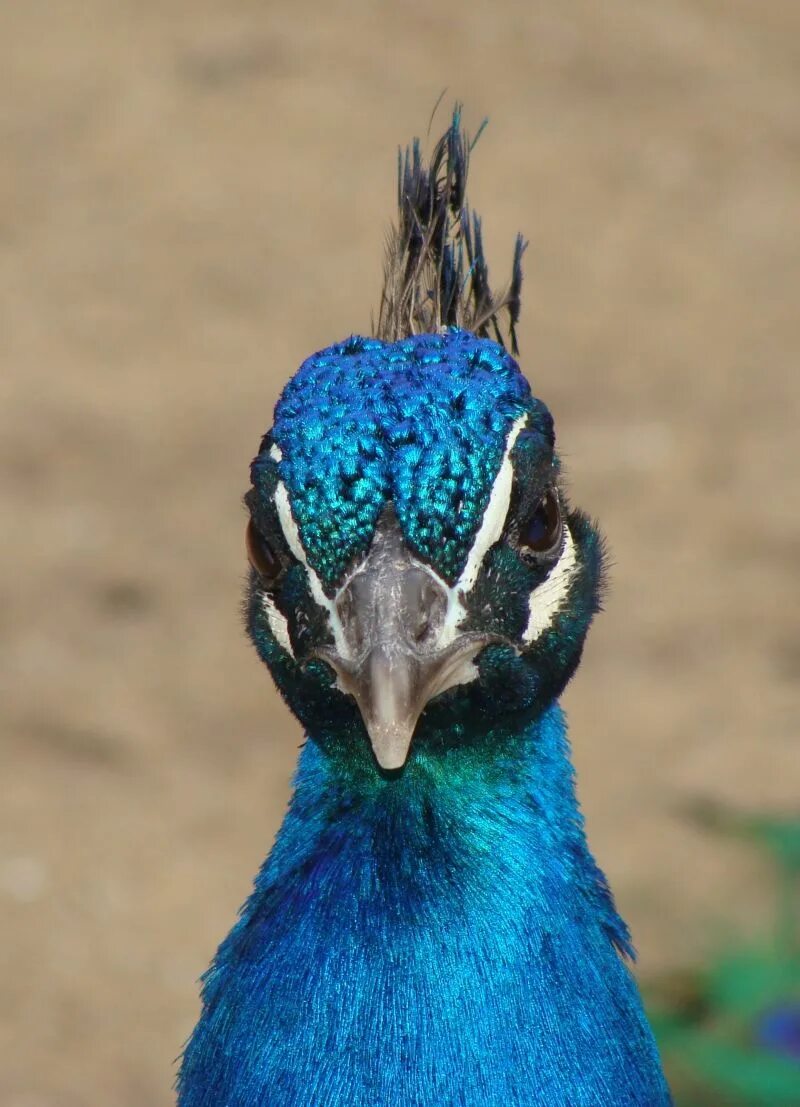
(435, 273)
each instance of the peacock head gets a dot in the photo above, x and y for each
(416, 570)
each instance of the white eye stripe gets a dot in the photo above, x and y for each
(546, 601)
(492, 524)
(292, 536)
(494, 517)
(275, 452)
(277, 623)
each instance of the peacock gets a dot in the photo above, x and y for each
(429, 927)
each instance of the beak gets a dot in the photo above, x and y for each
(392, 613)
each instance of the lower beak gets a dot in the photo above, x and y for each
(392, 684)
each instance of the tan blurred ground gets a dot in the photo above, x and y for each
(192, 198)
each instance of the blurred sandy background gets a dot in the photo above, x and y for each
(193, 197)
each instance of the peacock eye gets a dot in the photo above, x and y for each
(261, 555)
(541, 533)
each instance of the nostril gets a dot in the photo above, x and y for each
(350, 620)
(429, 614)
(344, 606)
(422, 627)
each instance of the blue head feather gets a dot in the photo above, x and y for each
(421, 422)
(438, 934)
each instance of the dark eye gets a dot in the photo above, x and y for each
(261, 555)
(541, 533)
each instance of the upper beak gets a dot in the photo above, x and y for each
(392, 613)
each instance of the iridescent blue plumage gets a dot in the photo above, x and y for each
(430, 927)
(420, 422)
(444, 939)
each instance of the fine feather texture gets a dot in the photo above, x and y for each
(446, 939)
(435, 274)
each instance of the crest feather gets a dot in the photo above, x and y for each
(435, 273)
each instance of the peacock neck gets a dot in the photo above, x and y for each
(443, 936)
(455, 828)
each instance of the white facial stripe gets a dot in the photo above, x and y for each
(277, 624)
(275, 452)
(292, 536)
(545, 601)
(494, 518)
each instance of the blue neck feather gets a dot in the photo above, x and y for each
(442, 936)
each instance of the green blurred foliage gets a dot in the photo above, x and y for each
(729, 1031)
